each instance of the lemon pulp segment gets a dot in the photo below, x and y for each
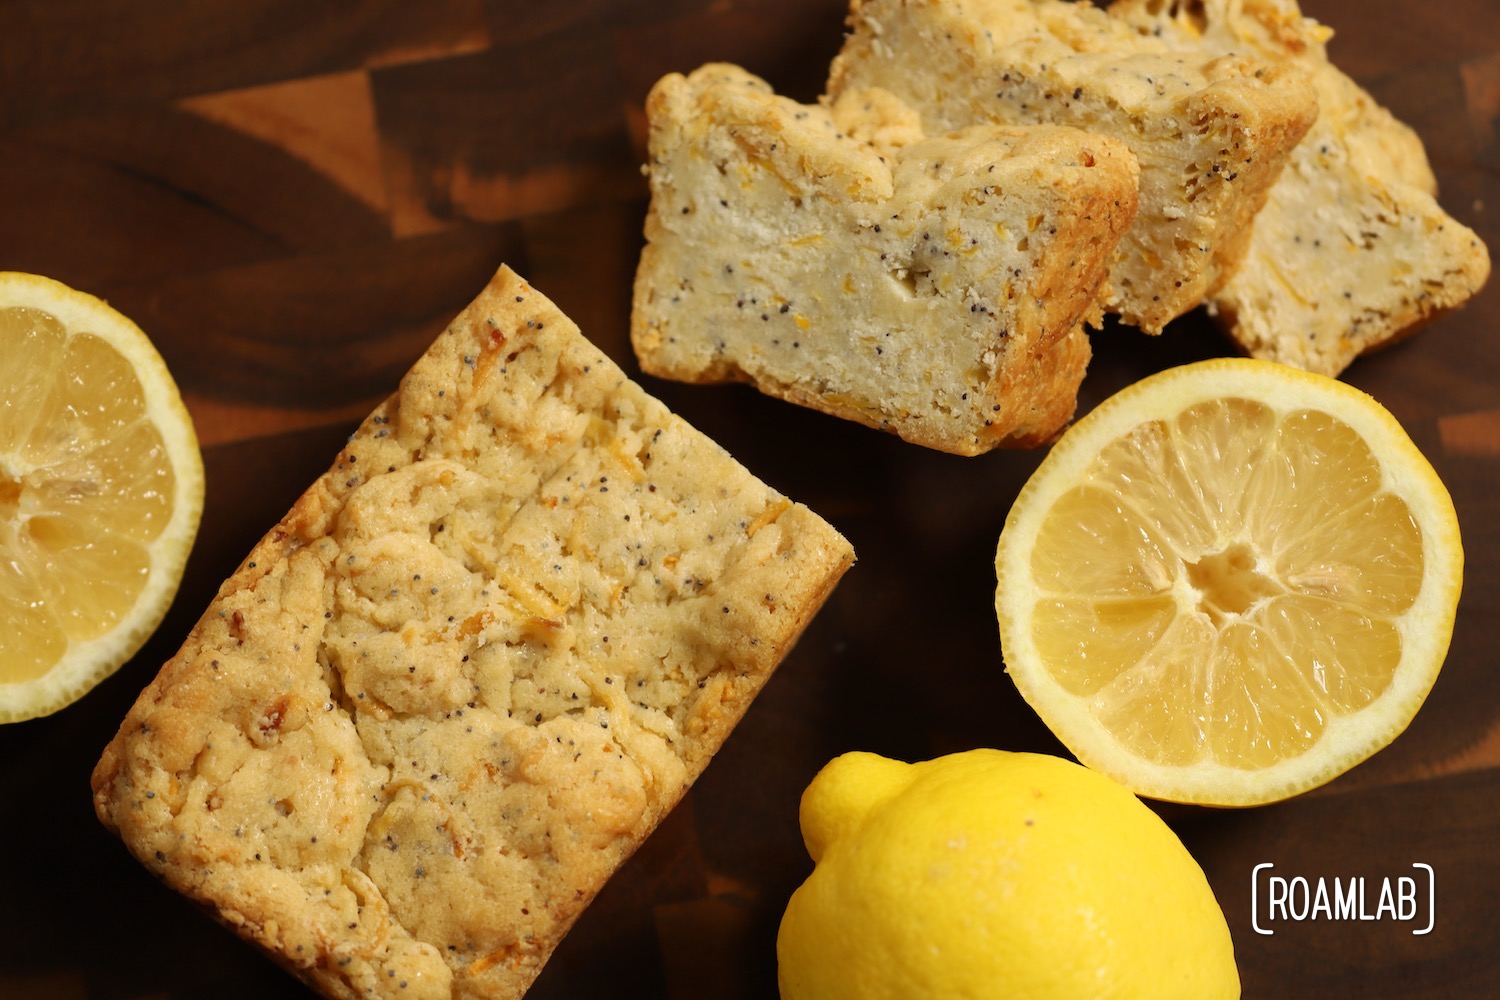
(85, 487)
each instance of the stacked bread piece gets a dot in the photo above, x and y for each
(1352, 249)
(1211, 133)
(922, 250)
(838, 257)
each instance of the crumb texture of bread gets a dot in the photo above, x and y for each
(1352, 250)
(481, 657)
(838, 257)
(1211, 133)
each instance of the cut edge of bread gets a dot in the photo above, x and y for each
(837, 257)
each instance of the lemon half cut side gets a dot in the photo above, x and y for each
(1229, 583)
(101, 490)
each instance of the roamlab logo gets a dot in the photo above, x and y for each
(1278, 901)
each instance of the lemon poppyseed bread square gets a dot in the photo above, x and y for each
(443, 700)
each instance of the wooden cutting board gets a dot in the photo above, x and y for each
(294, 198)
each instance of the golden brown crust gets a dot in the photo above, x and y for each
(470, 670)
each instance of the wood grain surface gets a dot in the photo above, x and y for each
(293, 198)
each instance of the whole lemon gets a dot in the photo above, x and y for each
(995, 874)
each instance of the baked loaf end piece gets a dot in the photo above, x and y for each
(1211, 134)
(839, 258)
(451, 691)
(1352, 250)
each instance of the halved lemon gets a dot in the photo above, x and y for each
(101, 488)
(1229, 583)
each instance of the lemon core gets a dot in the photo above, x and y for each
(1229, 583)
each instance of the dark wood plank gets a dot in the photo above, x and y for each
(1375, 835)
(62, 58)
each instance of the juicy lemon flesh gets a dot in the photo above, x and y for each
(85, 487)
(1195, 562)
